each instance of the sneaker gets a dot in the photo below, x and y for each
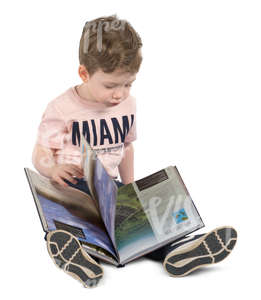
(67, 253)
(197, 251)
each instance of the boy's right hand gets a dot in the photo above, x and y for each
(66, 171)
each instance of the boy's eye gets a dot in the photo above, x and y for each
(111, 87)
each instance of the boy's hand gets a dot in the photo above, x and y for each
(66, 171)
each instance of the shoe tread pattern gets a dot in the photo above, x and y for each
(68, 255)
(212, 248)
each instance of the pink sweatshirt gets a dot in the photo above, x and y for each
(105, 128)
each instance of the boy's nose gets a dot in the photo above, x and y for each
(117, 98)
(118, 94)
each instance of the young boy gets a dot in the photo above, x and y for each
(104, 111)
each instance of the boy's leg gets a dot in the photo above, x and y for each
(161, 253)
(192, 252)
(80, 185)
(119, 184)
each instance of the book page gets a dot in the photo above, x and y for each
(68, 209)
(88, 161)
(133, 232)
(100, 253)
(100, 184)
(168, 213)
(168, 205)
(106, 190)
(68, 196)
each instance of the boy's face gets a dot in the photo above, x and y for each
(106, 88)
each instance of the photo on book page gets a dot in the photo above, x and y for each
(88, 161)
(60, 217)
(106, 190)
(133, 232)
(152, 212)
(59, 212)
(69, 197)
(167, 204)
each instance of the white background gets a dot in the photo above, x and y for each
(198, 100)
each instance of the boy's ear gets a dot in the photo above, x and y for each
(83, 73)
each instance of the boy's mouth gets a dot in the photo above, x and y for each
(114, 103)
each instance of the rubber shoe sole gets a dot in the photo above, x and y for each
(67, 254)
(211, 248)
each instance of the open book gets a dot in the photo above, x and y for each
(115, 224)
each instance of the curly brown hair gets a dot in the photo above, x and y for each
(110, 44)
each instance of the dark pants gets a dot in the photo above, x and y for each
(158, 255)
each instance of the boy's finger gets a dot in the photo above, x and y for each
(79, 172)
(77, 167)
(63, 183)
(60, 181)
(75, 172)
(74, 168)
(79, 175)
(65, 175)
